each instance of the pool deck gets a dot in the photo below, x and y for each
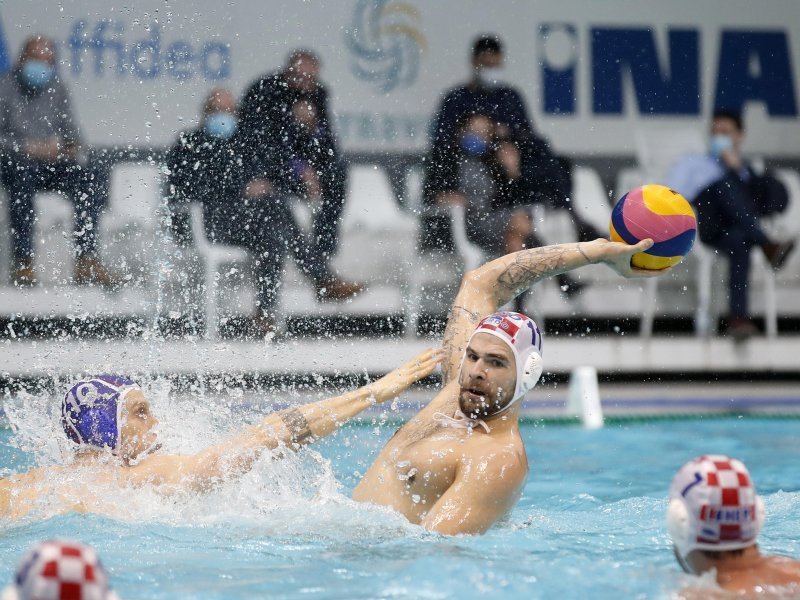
(663, 376)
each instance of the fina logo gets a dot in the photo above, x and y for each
(386, 43)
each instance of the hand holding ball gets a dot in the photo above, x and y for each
(658, 213)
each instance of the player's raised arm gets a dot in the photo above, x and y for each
(491, 285)
(292, 428)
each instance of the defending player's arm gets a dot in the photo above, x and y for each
(490, 286)
(292, 428)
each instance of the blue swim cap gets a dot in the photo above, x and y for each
(90, 412)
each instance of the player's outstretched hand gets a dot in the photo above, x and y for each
(618, 256)
(395, 383)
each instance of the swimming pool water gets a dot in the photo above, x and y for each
(589, 525)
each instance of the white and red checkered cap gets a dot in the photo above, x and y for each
(522, 335)
(60, 570)
(713, 505)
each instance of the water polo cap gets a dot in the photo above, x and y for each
(90, 412)
(522, 335)
(713, 505)
(57, 569)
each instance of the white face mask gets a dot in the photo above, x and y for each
(490, 76)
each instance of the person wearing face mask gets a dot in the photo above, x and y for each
(243, 203)
(41, 151)
(730, 197)
(546, 177)
(485, 172)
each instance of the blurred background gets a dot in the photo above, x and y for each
(615, 95)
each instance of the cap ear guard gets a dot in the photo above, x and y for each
(678, 526)
(680, 529)
(532, 371)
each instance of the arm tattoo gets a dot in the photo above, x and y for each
(529, 267)
(297, 425)
(454, 328)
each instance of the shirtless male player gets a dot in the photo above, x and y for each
(714, 517)
(459, 465)
(112, 425)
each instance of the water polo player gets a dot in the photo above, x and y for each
(111, 424)
(460, 465)
(714, 518)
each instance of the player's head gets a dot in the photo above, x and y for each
(713, 508)
(108, 412)
(58, 569)
(502, 361)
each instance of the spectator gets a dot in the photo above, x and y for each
(243, 204)
(730, 197)
(547, 178)
(484, 171)
(57, 570)
(287, 112)
(714, 518)
(41, 150)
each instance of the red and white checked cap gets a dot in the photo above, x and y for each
(60, 570)
(713, 506)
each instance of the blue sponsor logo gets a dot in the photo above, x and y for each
(385, 43)
(667, 83)
(106, 47)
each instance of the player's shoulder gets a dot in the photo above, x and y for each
(496, 455)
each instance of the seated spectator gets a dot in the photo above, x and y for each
(484, 172)
(57, 570)
(244, 205)
(286, 112)
(41, 150)
(546, 176)
(730, 198)
(714, 518)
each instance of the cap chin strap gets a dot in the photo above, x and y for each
(680, 531)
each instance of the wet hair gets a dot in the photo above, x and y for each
(731, 114)
(487, 43)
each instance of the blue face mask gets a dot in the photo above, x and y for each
(220, 125)
(720, 144)
(37, 73)
(474, 144)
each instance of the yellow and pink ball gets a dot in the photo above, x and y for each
(658, 213)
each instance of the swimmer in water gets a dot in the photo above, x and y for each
(459, 465)
(714, 517)
(111, 423)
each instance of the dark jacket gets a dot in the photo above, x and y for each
(215, 172)
(268, 125)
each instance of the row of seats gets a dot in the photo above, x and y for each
(377, 245)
